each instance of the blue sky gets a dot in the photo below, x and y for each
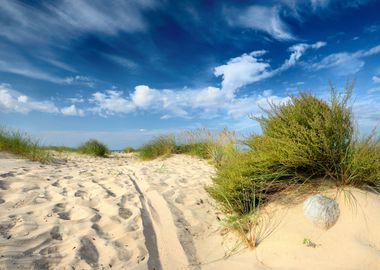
(124, 71)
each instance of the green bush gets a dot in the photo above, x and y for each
(21, 144)
(129, 149)
(160, 146)
(94, 148)
(302, 141)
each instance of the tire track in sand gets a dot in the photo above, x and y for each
(168, 246)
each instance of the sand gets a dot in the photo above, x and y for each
(122, 213)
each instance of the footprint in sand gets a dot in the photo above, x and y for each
(59, 208)
(55, 233)
(125, 213)
(96, 217)
(41, 264)
(88, 252)
(56, 184)
(80, 193)
(4, 185)
(122, 253)
(99, 231)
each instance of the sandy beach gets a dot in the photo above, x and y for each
(123, 213)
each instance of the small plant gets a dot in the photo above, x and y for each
(158, 147)
(128, 150)
(307, 242)
(94, 148)
(23, 145)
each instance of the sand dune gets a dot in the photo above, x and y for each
(121, 213)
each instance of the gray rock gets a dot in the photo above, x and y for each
(321, 210)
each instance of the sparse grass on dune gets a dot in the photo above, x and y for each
(163, 145)
(94, 148)
(60, 148)
(201, 142)
(21, 144)
(306, 141)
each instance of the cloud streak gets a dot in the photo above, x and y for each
(60, 20)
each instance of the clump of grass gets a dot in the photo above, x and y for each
(304, 141)
(21, 144)
(207, 144)
(128, 150)
(93, 147)
(199, 149)
(160, 146)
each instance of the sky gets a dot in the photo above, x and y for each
(123, 71)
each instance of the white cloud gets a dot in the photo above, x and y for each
(264, 19)
(72, 111)
(111, 102)
(206, 102)
(143, 96)
(242, 70)
(345, 62)
(249, 68)
(81, 80)
(376, 79)
(13, 101)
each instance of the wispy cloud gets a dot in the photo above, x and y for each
(122, 61)
(72, 111)
(376, 79)
(60, 20)
(80, 80)
(346, 62)
(261, 18)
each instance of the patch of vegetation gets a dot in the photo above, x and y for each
(94, 147)
(199, 149)
(60, 148)
(201, 142)
(306, 141)
(129, 149)
(160, 146)
(21, 144)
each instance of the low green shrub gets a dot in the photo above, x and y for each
(303, 141)
(129, 149)
(163, 145)
(21, 144)
(93, 147)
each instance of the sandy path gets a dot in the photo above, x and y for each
(121, 213)
(98, 213)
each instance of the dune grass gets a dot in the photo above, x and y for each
(160, 146)
(201, 142)
(21, 144)
(94, 148)
(60, 148)
(306, 141)
(129, 149)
